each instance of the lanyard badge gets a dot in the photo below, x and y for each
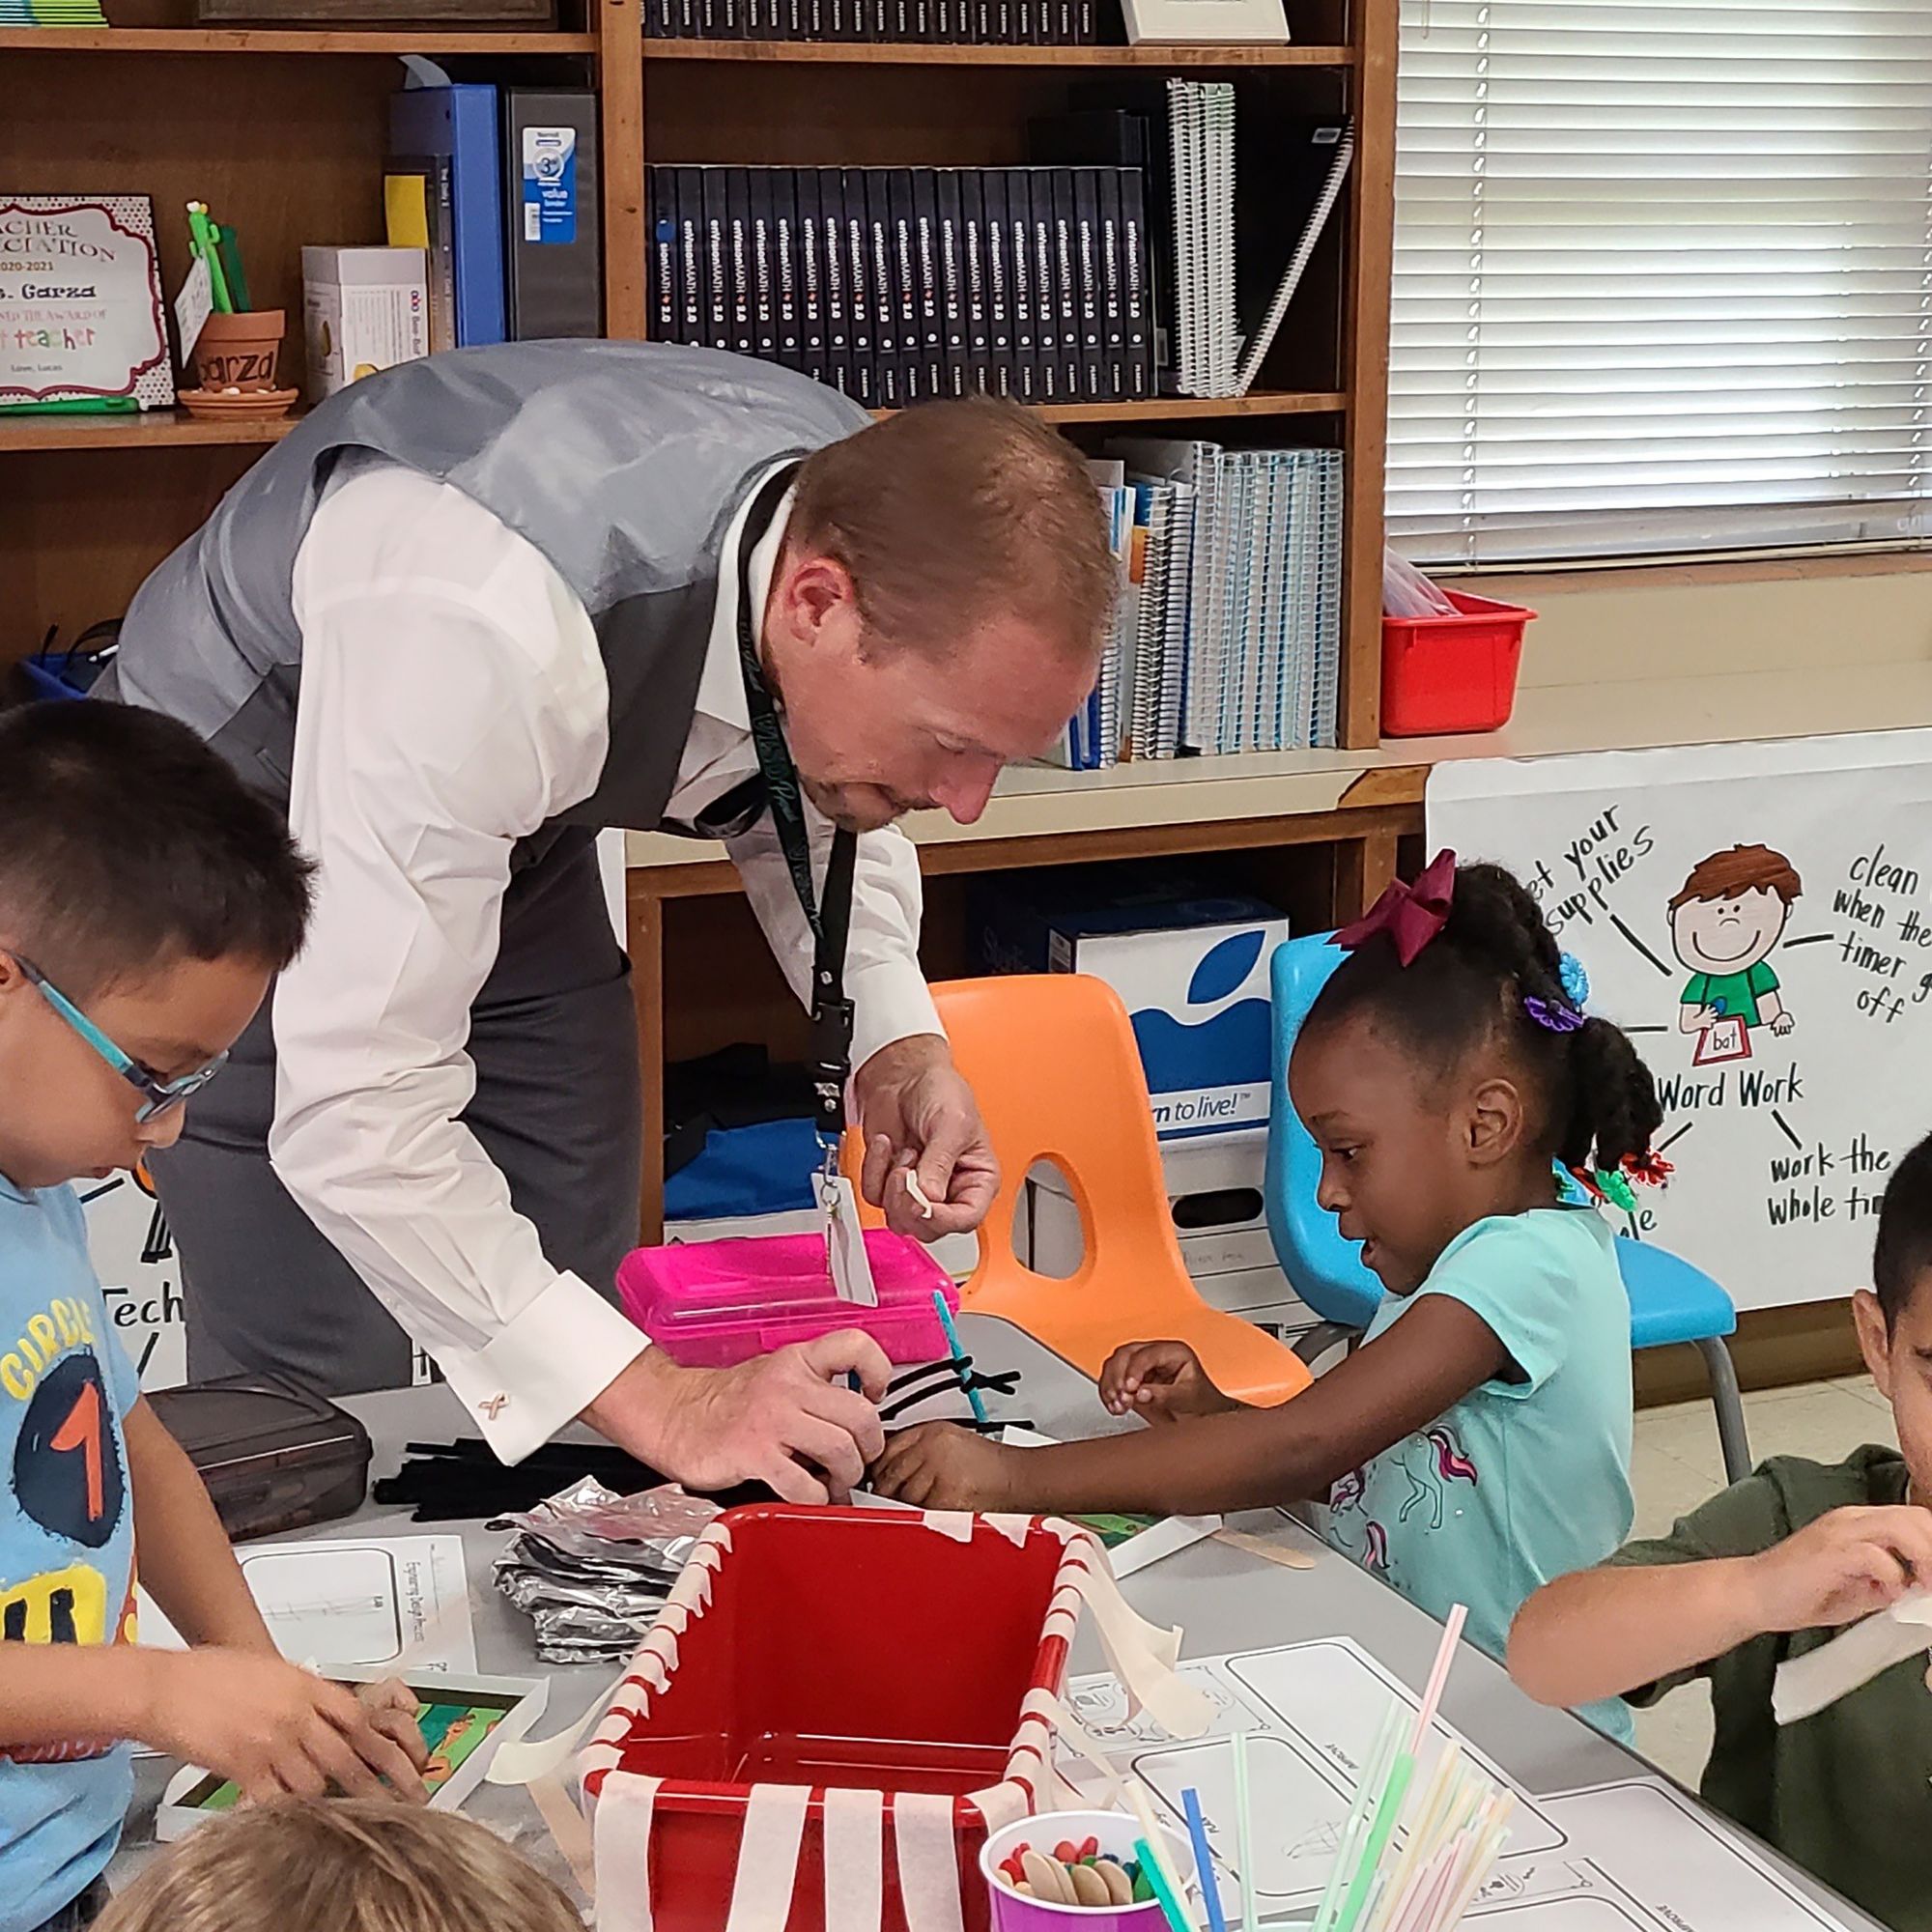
(829, 920)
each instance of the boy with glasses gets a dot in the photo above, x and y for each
(147, 900)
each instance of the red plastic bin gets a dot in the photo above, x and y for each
(1448, 674)
(823, 1651)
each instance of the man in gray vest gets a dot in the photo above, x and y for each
(473, 611)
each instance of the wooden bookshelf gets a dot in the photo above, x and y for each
(157, 429)
(1168, 57)
(389, 40)
(284, 131)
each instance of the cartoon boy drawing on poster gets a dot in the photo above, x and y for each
(1723, 925)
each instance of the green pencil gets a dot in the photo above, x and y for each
(201, 236)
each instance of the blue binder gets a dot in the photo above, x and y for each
(461, 121)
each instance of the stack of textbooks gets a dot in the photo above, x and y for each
(997, 23)
(900, 285)
(1228, 634)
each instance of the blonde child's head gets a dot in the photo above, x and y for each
(341, 1866)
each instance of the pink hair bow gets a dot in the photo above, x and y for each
(1411, 915)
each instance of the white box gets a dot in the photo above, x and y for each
(364, 309)
(1214, 1192)
(1190, 968)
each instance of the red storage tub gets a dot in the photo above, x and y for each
(1447, 674)
(866, 1677)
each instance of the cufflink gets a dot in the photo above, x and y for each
(491, 1409)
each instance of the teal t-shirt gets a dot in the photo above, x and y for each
(1522, 1480)
(66, 1540)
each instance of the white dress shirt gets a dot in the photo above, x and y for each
(453, 699)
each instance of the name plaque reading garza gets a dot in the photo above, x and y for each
(81, 302)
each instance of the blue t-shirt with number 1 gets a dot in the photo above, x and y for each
(66, 1540)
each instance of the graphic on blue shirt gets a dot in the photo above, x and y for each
(66, 1540)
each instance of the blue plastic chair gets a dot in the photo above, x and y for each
(1670, 1300)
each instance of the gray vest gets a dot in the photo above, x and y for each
(621, 462)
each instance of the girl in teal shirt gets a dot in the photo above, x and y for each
(1477, 1442)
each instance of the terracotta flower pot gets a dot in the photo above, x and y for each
(238, 351)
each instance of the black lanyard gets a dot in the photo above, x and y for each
(830, 921)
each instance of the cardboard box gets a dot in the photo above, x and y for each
(1215, 1193)
(1191, 968)
(364, 309)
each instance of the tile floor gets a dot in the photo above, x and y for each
(1676, 1465)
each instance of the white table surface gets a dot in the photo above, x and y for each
(1223, 1597)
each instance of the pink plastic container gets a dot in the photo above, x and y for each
(713, 1304)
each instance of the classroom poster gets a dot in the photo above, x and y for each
(81, 301)
(1759, 918)
(133, 1253)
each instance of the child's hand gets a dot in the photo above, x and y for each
(278, 1731)
(940, 1466)
(391, 1707)
(1843, 1567)
(1160, 1381)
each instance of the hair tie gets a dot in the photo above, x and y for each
(1604, 1185)
(1411, 915)
(1650, 1170)
(1556, 1015)
(1575, 982)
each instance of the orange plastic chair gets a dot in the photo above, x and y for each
(1052, 1060)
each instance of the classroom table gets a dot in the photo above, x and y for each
(1225, 1599)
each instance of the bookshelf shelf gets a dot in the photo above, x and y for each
(157, 429)
(288, 40)
(845, 53)
(162, 429)
(1190, 409)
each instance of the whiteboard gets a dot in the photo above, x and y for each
(1790, 1033)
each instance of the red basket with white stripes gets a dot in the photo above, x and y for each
(835, 1709)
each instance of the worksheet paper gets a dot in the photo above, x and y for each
(1630, 1857)
(364, 1602)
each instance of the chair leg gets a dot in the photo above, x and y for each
(1729, 1405)
(1316, 1342)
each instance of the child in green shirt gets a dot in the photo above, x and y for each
(1772, 1569)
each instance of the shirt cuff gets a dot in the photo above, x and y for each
(545, 1368)
(891, 1001)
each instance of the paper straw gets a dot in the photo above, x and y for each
(1445, 1654)
(1368, 1794)
(1156, 1876)
(944, 1314)
(1203, 1860)
(1454, 1807)
(1244, 1833)
(1143, 1812)
(1379, 1832)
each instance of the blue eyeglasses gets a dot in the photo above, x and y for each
(157, 1095)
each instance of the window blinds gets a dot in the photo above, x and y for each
(1662, 276)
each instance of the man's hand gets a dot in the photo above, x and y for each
(278, 1731)
(784, 1420)
(1843, 1567)
(918, 1114)
(940, 1466)
(1160, 1381)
